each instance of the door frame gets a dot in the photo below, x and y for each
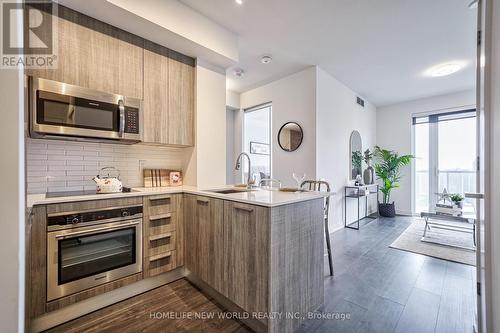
(433, 153)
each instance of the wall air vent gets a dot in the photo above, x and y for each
(360, 101)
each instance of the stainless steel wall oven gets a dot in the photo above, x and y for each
(90, 248)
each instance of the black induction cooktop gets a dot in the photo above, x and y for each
(69, 194)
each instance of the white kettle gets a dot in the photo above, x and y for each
(107, 183)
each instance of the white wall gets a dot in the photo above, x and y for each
(234, 136)
(394, 128)
(232, 99)
(230, 149)
(337, 116)
(12, 199)
(293, 99)
(205, 164)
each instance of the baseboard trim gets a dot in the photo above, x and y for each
(404, 213)
(98, 302)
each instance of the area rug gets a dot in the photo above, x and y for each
(410, 240)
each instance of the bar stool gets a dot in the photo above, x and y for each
(320, 185)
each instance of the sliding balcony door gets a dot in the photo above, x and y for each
(257, 141)
(445, 151)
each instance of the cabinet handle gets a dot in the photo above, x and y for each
(161, 197)
(202, 200)
(161, 236)
(243, 208)
(160, 256)
(159, 217)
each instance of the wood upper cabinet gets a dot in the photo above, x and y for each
(204, 237)
(98, 56)
(246, 255)
(168, 97)
(155, 95)
(180, 101)
(95, 55)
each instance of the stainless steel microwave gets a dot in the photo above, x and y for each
(65, 111)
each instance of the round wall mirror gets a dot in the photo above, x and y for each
(290, 136)
(356, 159)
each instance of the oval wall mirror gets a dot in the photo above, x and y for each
(355, 147)
(290, 136)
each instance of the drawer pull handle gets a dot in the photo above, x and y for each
(201, 200)
(160, 256)
(243, 208)
(162, 197)
(159, 217)
(161, 236)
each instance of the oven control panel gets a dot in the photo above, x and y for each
(121, 213)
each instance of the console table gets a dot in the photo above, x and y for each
(358, 192)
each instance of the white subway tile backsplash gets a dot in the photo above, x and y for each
(54, 166)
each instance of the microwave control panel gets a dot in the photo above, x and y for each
(131, 120)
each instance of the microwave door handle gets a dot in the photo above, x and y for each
(94, 230)
(121, 108)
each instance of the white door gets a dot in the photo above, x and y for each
(482, 144)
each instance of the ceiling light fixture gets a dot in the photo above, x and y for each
(445, 69)
(266, 58)
(239, 2)
(238, 72)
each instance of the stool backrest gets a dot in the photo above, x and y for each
(319, 186)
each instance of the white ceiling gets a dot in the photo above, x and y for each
(378, 48)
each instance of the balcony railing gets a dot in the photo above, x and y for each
(455, 181)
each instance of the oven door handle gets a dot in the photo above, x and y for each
(86, 232)
(121, 108)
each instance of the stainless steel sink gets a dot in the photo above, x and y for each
(229, 191)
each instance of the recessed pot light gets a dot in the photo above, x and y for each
(239, 2)
(266, 58)
(445, 69)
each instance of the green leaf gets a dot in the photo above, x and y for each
(388, 166)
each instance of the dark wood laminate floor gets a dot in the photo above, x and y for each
(388, 290)
(149, 312)
(381, 289)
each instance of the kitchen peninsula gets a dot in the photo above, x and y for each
(257, 252)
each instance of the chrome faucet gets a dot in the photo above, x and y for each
(250, 181)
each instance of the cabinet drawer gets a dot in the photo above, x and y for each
(162, 223)
(160, 204)
(161, 243)
(161, 263)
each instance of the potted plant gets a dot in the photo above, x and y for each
(457, 199)
(388, 169)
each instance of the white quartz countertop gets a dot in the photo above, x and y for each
(260, 197)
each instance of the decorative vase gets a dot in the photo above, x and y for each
(369, 174)
(387, 209)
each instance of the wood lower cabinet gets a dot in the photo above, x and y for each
(246, 255)
(163, 234)
(204, 238)
(269, 260)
